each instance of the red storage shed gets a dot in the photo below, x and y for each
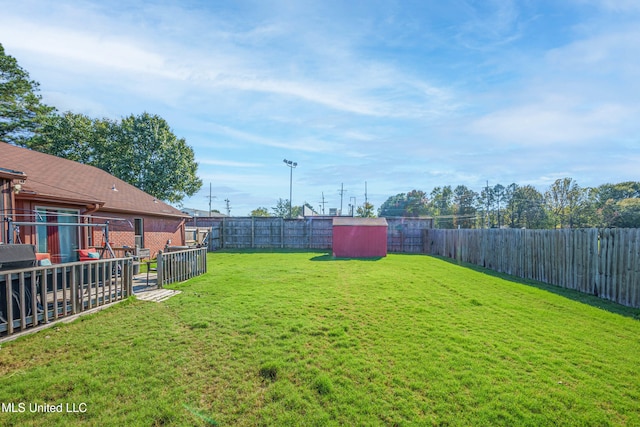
(359, 237)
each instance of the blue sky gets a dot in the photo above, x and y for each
(399, 94)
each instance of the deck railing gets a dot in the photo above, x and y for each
(181, 265)
(38, 295)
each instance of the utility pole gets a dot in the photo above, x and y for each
(210, 197)
(366, 200)
(228, 207)
(487, 210)
(499, 197)
(341, 191)
(322, 203)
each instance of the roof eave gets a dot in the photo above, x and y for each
(31, 196)
(150, 213)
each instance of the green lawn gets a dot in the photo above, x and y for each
(302, 339)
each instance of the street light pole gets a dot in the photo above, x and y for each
(291, 166)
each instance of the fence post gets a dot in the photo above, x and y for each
(222, 233)
(9, 303)
(253, 232)
(126, 283)
(204, 262)
(159, 267)
(21, 299)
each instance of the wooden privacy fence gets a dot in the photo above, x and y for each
(180, 265)
(602, 262)
(403, 234)
(37, 295)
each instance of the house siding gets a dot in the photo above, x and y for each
(157, 231)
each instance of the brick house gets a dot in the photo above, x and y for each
(70, 199)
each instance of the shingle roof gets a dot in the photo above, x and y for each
(54, 178)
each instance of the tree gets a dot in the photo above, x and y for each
(281, 209)
(141, 150)
(416, 204)
(441, 204)
(606, 198)
(526, 208)
(411, 204)
(393, 206)
(498, 200)
(262, 212)
(627, 213)
(617, 192)
(21, 107)
(510, 193)
(146, 153)
(71, 136)
(365, 211)
(464, 207)
(486, 200)
(567, 203)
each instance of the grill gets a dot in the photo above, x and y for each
(13, 257)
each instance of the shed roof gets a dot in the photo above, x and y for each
(53, 178)
(360, 222)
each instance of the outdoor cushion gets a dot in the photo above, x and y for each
(88, 254)
(42, 255)
(45, 261)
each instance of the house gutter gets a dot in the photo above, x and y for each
(92, 208)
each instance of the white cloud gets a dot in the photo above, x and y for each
(626, 6)
(339, 81)
(547, 124)
(616, 51)
(488, 25)
(84, 47)
(297, 144)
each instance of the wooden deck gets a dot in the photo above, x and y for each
(156, 295)
(64, 292)
(149, 291)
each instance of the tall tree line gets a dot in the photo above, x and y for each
(565, 204)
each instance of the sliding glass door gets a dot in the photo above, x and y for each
(57, 238)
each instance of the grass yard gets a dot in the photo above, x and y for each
(302, 339)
